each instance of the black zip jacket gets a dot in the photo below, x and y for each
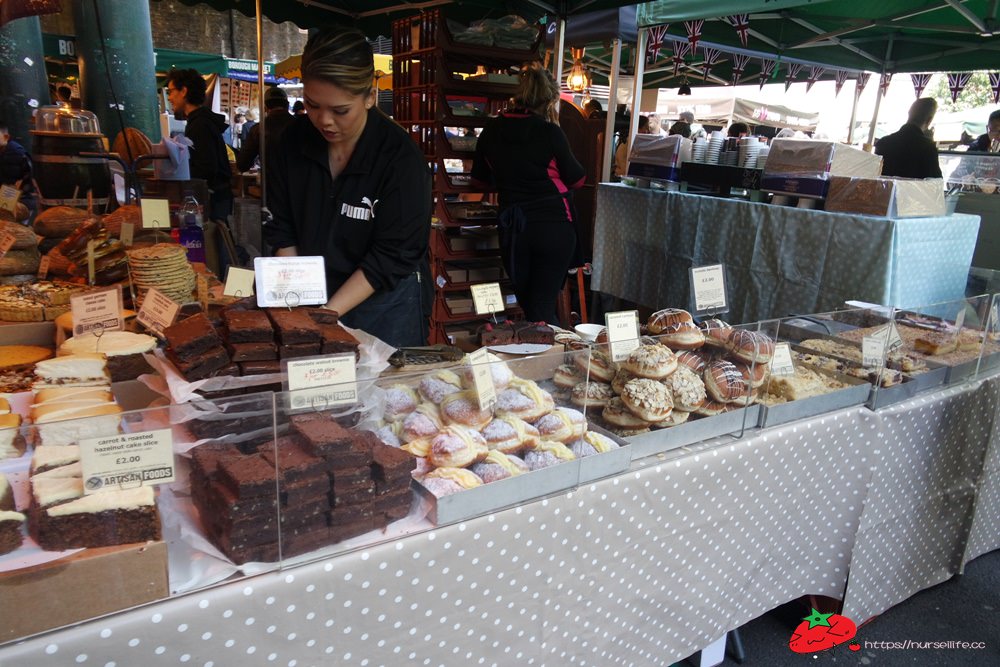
(209, 159)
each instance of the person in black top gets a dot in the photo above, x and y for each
(524, 154)
(276, 120)
(349, 184)
(209, 159)
(909, 152)
(16, 169)
(985, 142)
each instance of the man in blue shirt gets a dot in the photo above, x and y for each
(16, 169)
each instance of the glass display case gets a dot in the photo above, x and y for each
(973, 181)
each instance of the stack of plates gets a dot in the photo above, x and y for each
(749, 150)
(699, 151)
(715, 148)
(728, 159)
(163, 266)
(762, 156)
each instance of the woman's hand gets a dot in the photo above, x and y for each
(290, 251)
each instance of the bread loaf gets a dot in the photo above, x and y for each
(138, 144)
(17, 262)
(24, 238)
(20, 213)
(60, 221)
(129, 213)
(58, 263)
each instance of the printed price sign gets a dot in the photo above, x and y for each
(9, 196)
(158, 311)
(126, 234)
(7, 241)
(482, 377)
(895, 341)
(487, 298)
(97, 310)
(623, 333)
(994, 325)
(239, 282)
(708, 283)
(959, 321)
(781, 361)
(290, 281)
(43, 267)
(155, 213)
(318, 383)
(129, 460)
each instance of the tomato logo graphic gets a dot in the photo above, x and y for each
(819, 632)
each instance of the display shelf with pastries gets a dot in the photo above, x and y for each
(450, 275)
(972, 181)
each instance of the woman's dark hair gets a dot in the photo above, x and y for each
(190, 79)
(681, 128)
(341, 56)
(736, 129)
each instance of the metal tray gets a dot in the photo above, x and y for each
(692, 431)
(497, 495)
(910, 386)
(610, 463)
(857, 394)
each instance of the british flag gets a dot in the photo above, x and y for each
(766, 70)
(680, 50)
(740, 63)
(655, 37)
(883, 83)
(995, 86)
(840, 77)
(814, 75)
(863, 81)
(957, 81)
(920, 82)
(742, 24)
(693, 29)
(711, 59)
(793, 71)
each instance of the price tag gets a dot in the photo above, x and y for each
(158, 311)
(709, 286)
(239, 282)
(781, 361)
(487, 298)
(91, 273)
(7, 241)
(623, 333)
(482, 377)
(895, 341)
(129, 460)
(202, 288)
(959, 321)
(9, 196)
(43, 267)
(97, 310)
(994, 325)
(126, 234)
(318, 383)
(290, 281)
(155, 213)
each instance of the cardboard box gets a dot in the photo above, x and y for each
(804, 167)
(85, 585)
(886, 197)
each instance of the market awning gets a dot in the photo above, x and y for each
(723, 110)
(291, 68)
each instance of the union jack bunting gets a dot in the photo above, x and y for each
(920, 82)
(680, 50)
(766, 70)
(711, 59)
(814, 74)
(694, 33)
(742, 24)
(740, 63)
(863, 81)
(995, 86)
(655, 37)
(957, 81)
(793, 71)
(883, 83)
(841, 78)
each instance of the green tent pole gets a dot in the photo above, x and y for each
(23, 84)
(118, 81)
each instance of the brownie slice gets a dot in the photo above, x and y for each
(350, 513)
(336, 339)
(253, 351)
(124, 367)
(10, 530)
(296, 350)
(201, 365)
(392, 464)
(495, 334)
(323, 437)
(192, 336)
(248, 326)
(294, 326)
(534, 332)
(394, 505)
(249, 476)
(260, 367)
(292, 460)
(323, 315)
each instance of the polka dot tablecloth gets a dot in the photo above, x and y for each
(779, 260)
(643, 568)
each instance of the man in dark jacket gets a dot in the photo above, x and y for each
(209, 159)
(15, 169)
(276, 120)
(984, 143)
(910, 152)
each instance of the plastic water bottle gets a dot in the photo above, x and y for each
(192, 236)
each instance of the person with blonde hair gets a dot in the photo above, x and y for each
(525, 156)
(349, 184)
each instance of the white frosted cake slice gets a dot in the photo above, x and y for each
(47, 457)
(78, 370)
(105, 518)
(12, 444)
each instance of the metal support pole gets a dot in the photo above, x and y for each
(854, 112)
(559, 51)
(878, 98)
(640, 68)
(609, 124)
(260, 101)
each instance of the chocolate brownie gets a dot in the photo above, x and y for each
(392, 464)
(253, 351)
(245, 303)
(306, 492)
(294, 326)
(248, 476)
(10, 530)
(351, 476)
(221, 501)
(303, 542)
(495, 334)
(323, 315)
(230, 369)
(534, 332)
(323, 437)
(349, 513)
(6, 496)
(394, 505)
(353, 493)
(299, 350)
(292, 460)
(260, 367)
(124, 367)
(341, 532)
(192, 336)
(248, 326)
(336, 340)
(202, 365)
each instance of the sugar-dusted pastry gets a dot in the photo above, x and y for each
(676, 418)
(725, 383)
(524, 399)
(463, 408)
(687, 389)
(667, 317)
(497, 466)
(546, 454)
(457, 447)
(598, 366)
(499, 371)
(423, 422)
(591, 394)
(648, 399)
(696, 361)
(750, 346)
(446, 481)
(682, 336)
(439, 384)
(717, 333)
(651, 361)
(389, 433)
(562, 424)
(566, 376)
(711, 408)
(510, 434)
(400, 401)
(616, 414)
(592, 443)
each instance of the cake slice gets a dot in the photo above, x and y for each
(294, 326)
(10, 531)
(47, 457)
(192, 336)
(248, 326)
(12, 443)
(6, 495)
(101, 519)
(67, 428)
(77, 370)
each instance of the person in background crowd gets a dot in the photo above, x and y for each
(64, 94)
(681, 128)
(209, 159)
(525, 155)
(299, 109)
(348, 183)
(248, 124)
(275, 121)
(16, 170)
(655, 127)
(910, 152)
(593, 109)
(738, 130)
(232, 134)
(697, 130)
(989, 142)
(621, 153)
